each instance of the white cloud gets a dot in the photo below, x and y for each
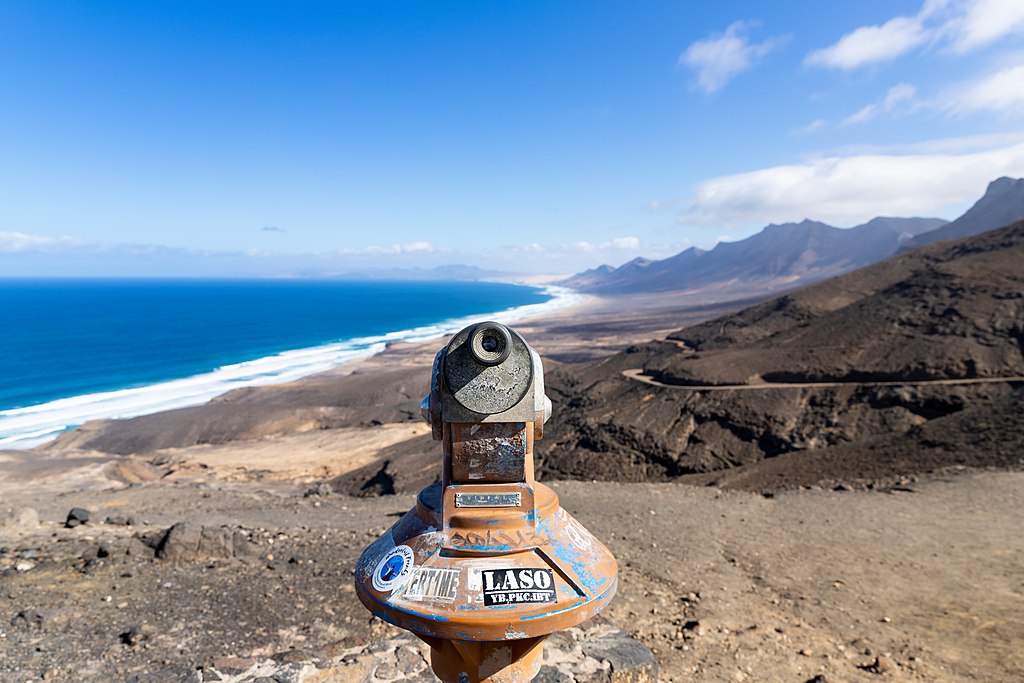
(962, 25)
(812, 127)
(846, 190)
(373, 249)
(1002, 92)
(981, 22)
(899, 99)
(21, 242)
(869, 44)
(615, 244)
(624, 243)
(721, 57)
(417, 248)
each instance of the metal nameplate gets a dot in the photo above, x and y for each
(488, 500)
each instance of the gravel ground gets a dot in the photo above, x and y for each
(920, 583)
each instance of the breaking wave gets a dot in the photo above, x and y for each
(34, 425)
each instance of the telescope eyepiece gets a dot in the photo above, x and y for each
(490, 343)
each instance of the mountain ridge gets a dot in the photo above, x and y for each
(1002, 204)
(777, 257)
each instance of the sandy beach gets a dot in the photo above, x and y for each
(317, 427)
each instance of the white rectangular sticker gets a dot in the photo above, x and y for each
(518, 586)
(432, 583)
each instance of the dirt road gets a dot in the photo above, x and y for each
(638, 375)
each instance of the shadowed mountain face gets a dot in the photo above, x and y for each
(778, 257)
(936, 322)
(1002, 204)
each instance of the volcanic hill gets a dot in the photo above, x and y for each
(895, 368)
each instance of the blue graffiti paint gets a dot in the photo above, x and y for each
(565, 551)
(604, 597)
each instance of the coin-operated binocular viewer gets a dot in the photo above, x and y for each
(487, 564)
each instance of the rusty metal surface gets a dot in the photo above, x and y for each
(485, 584)
(475, 392)
(544, 537)
(491, 452)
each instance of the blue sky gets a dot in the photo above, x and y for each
(256, 138)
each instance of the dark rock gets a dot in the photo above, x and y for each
(288, 672)
(138, 634)
(601, 676)
(231, 666)
(216, 542)
(241, 545)
(299, 656)
(179, 542)
(881, 665)
(121, 520)
(77, 516)
(29, 619)
(409, 661)
(549, 674)
(323, 489)
(138, 548)
(631, 661)
(185, 542)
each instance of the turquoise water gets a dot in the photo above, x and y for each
(77, 350)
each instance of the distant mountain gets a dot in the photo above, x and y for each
(778, 257)
(455, 271)
(1002, 204)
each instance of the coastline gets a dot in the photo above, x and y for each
(318, 426)
(37, 425)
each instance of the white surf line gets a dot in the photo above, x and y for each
(34, 425)
(636, 374)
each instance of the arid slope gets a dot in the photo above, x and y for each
(949, 310)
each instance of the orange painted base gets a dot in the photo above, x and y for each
(467, 661)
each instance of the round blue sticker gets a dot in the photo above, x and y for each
(394, 569)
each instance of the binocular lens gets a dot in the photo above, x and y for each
(490, 343)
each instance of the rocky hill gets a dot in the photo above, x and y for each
(1002, 204)
(778, 257)
(902, 353)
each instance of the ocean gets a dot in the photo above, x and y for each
(77, 350)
